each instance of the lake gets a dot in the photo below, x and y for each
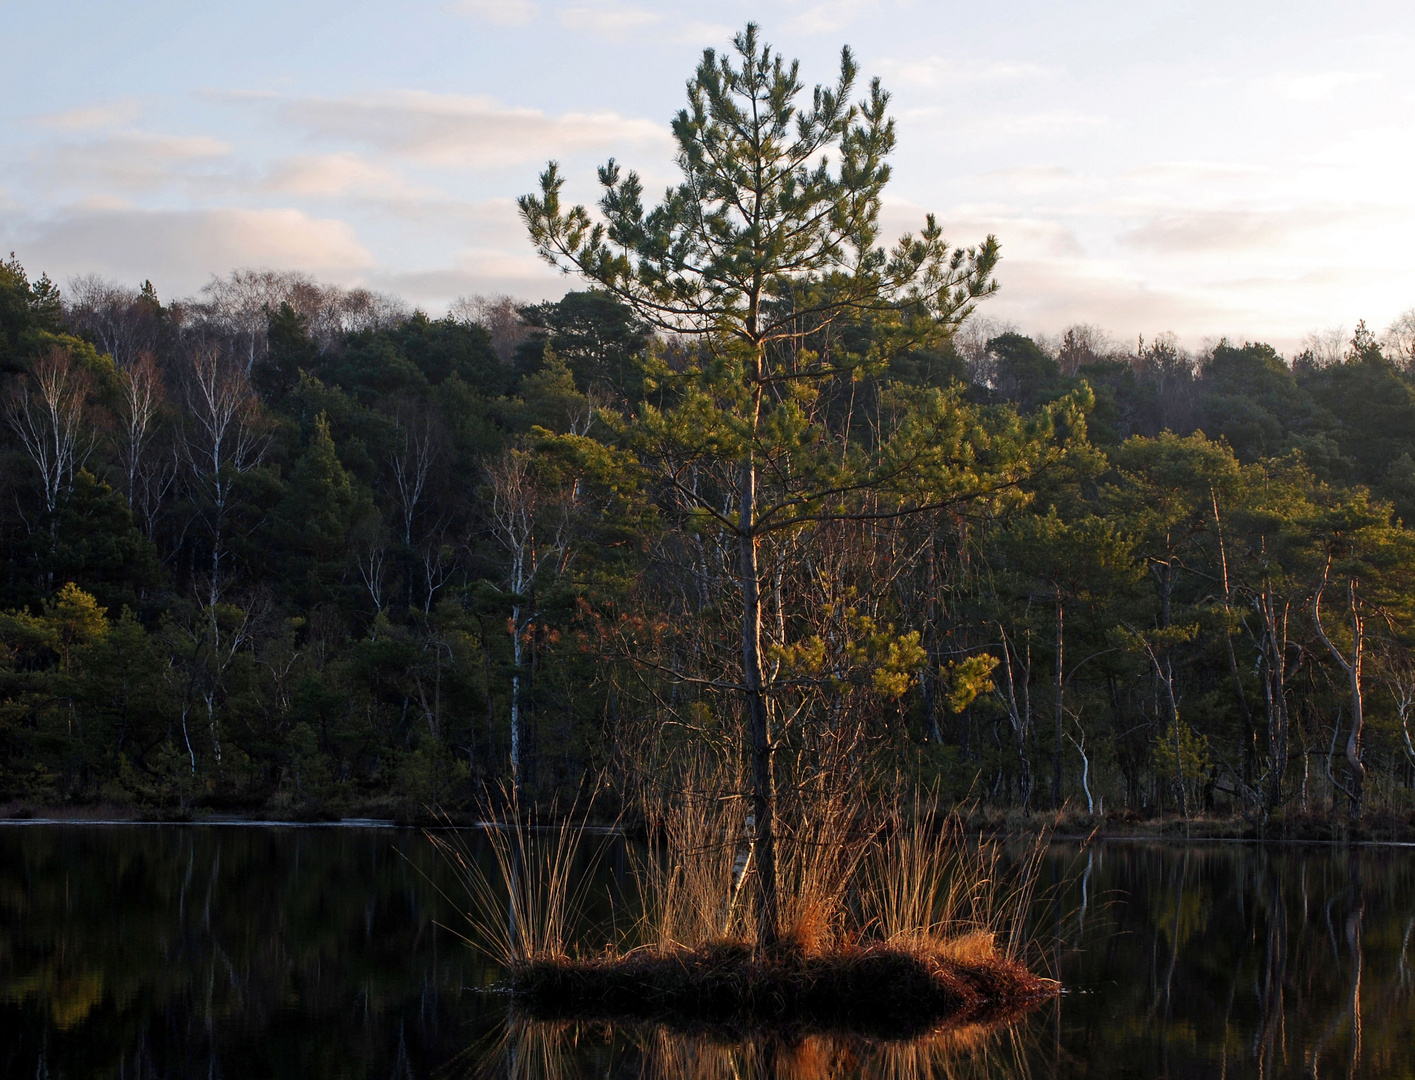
(147, 951)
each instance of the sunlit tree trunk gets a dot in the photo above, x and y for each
(759, 735)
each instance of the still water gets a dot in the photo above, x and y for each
(228, 951)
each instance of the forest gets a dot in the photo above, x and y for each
(295, 547)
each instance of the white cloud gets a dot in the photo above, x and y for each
(183, 247)
(330, 176)
(616, 20)
(1260, 231)
(1198, 230)
(1323, 85)
(829, 16)
(127, 160)
(87, 118)
(1200, 174)
(611, 19)
(1034, 179)
(497, 12)
(463, 131)
(934, 71)
(979, 129)
(477, 270)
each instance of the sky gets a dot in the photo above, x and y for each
(1238, 169)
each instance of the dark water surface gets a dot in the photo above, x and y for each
(225, 951)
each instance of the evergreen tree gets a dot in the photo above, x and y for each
(761, 247)
(316, 518)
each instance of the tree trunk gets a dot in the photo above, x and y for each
(1020, 714)
(516, 696)
(931, 670)
(1354, 755)
(764, 840)
(1352, 667)
(1060, 704)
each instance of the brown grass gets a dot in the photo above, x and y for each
(892, 918)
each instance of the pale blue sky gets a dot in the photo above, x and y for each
(1239, 168)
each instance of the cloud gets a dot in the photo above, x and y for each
(1034, 179)
(830, 15)
(981, 129)
(127, 161)
(1238, 229)
(1209, 230)
(1054, 122)
(608, 19)
(933, 71)
(1325, 84)
(477, 270)
(331, 176)
(497, 12)
(463, 131)
(181, 248)
(112, 114)
(615, 20)
(1196, 173)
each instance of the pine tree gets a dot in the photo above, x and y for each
(316, 517)
(767, 250)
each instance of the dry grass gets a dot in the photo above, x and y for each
(927, 884)
(892, 918)
(690, 876)
(526, 909)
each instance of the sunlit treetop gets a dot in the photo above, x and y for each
(774, 229)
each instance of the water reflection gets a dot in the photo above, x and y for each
(1235, 961)
(179, 951)
(200, 951)
(541, 1050)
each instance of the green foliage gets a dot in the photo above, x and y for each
(955, 580)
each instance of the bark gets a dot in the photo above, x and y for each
(759, 735)
(1060, 705)
(930, 679)
(1351, 665)
(1019, 714)
(1274, 656)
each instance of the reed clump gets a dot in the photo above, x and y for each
(893, 919)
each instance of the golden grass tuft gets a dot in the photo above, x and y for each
(892, 917)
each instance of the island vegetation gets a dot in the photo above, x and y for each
(764, 494)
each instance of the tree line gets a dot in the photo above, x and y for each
(768, 497)
(286, 542)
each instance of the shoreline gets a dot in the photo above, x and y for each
(1305, 832)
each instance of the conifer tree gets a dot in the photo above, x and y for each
(770, 243)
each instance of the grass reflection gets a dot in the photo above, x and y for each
(532, 1049)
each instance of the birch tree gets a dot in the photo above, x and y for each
(47, 412)
(223, 440)
(531, 525)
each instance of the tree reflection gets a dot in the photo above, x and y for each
(530, 1049)
(183, 951)
(1242, 961)
(175, 951)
